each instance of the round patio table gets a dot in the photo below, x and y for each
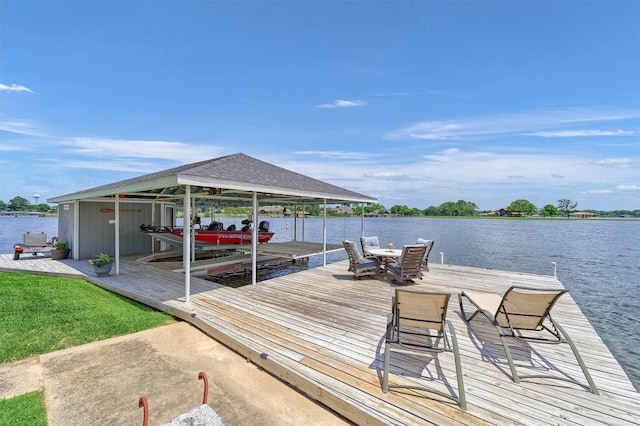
(383, 253)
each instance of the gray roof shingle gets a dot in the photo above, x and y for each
(236, 171)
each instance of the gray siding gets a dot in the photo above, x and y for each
(66, 215)
(97, 234)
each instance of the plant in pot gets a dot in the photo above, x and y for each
(61, 250)
(101, 264)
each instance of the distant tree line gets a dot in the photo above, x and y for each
(21, 204)
(519, 207)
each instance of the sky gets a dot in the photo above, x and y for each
(413, 103)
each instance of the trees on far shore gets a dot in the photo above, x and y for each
(453, 208)
(549, 210)
(450, 208)
(566, 207)
(21, 204)
(522, 206)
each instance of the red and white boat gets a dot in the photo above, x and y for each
(214, 235)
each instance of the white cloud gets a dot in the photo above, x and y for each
(628, 188)
(618, 188)
(385, 175)
(338, 154)
(13, 148)
(123, 148)
(534, 123)
(14, 88)
(343, 104)
(600, 191)
(114, 165)
(20, 128)
(582, 133)
(613, 162)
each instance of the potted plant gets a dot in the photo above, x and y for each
(61, 250)
(101, 264)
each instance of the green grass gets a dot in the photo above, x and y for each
(27, 409)
(42, 314)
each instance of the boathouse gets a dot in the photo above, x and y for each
(107, 219)
(89, 219)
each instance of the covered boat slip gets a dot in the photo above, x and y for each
(323, 332)
(238, 256)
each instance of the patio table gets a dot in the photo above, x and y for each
(385, 255)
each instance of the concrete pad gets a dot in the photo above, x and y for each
(20, 377)
(202, 415)
(101, 383)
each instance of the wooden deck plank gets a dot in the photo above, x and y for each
(322, 331)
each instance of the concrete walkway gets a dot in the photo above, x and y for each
(101, 383)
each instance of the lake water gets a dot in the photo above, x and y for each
(597, 260)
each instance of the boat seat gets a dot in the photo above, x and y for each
(216, 226)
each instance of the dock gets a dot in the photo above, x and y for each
(322, 332)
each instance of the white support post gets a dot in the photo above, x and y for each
(76, 230)
(441, 258)
(324, 235)
(117, 248)
(254, 241)
(193, 230)
(186, 244)
(153, 223)
(554, 268)
(295, 222)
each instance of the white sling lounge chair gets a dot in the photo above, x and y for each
(417, 325)
(526, 310)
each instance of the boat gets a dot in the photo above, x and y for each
(215, 234)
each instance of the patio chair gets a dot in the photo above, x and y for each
(367, 244)
(525, 312)
(425, 259)
(409, 265)
(417, 325)
(357, 264)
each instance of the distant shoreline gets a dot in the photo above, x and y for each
(28, 214)
(49, 215)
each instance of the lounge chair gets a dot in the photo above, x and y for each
(425, 259)
(408, 266)
(357, 264)
(525, 312)
(367, 244)
(417, 325)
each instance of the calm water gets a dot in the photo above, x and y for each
(597, 260)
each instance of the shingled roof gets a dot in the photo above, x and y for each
(233, 178)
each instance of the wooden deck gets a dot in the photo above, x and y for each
(322, 331)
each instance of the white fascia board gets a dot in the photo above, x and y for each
(112, 190)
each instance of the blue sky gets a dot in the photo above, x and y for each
(412, 102)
